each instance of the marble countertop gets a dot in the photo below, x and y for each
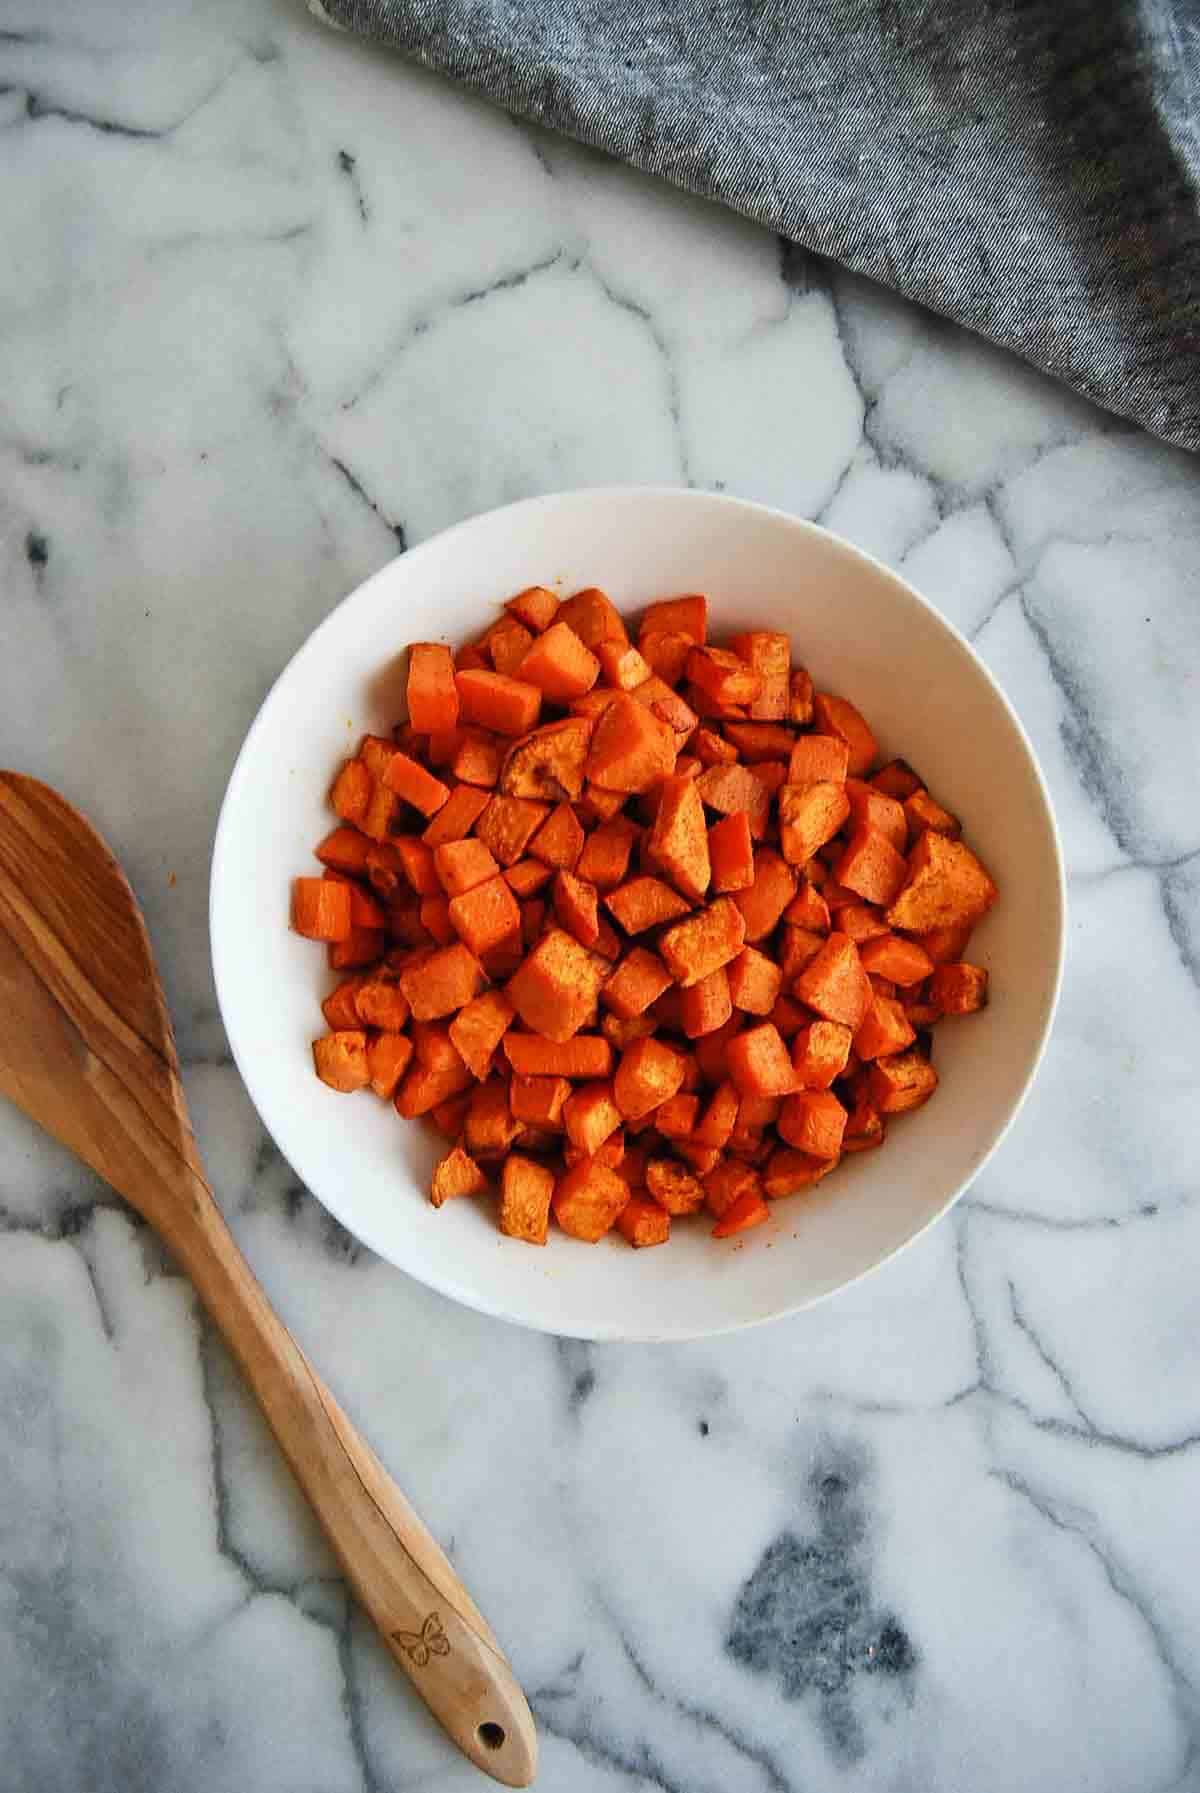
(273, 306)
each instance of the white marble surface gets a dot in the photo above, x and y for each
(270, 303)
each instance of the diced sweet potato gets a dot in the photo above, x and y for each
(526, 1191)
(556, 989)
(388, 1058)
(834, 982)
(808, 909)
(548, 763)
(321, 909)
(536, 607)
(884, 1029)
(508, 824)
(836, 716)
(491, 700)
(508, 642)
(706, 1005)
(946, 884)
(432, 694)
(340, 1060)
(685, 616)
(380, 1001)
(754, 981)
(457, 816)
(599, 806)
(486, 915)
(904, 961)
(789, 1016)
(759, 1063)
(789, 1172)
(409, 780)
(527, 877)
(575, 905)
(678, 842)
(728, 1182)
(644, 903)
(351, 791)
(694, 948)
(946, 945)
(476, 758)
(809, 815)
(959, 989)
(665, 652)
(539, 1101)
(462, 864)
(622, 666)
(749, 1210)
(871, 866)
(676, 1117)
(872, 808)
(864, 1128)
(532, 1055)
(731, 790)
(769, 654)
(471, 658)
(560, 664)
(443, 983)
(608, 942)
(647, 1074)
(643, 1222)
(593, 616)
(800, 697)
(435, 919)
(560, 839)
(433, 1046)
(901, 1082)
(818, 759)
(588, 1199)
(590, 1115)
(921, 812)
(610, 1153)
(764, 901)
(362, 946)
(339, 1008)
(673, 1187)
(819, 1053)
(896, 779)
(759, 741)
(731, 853)
(797, 948)
(478, 1028)
(813, 1121)
(604, 860)
(863, 922)
(630, 747)
(723, 677)
(423, 1089)
(638, 980)
(345, 850)
(491, 1128)
(419, 865)
(456, 1174)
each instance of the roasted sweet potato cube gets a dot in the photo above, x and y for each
(678, 842)
(904, 961)
(701, 1158)
(471, 658)
(734, 790)
(560, 839)
(599, 806)
(726, 1183)
(450, 1116)
(723, 677)
(921, 812)
(351, 792)
(769, 654)
(457, 816)
(903, 1081)
(461, 864)
(475, 758)
(486, 916)
(593, 616)
(644, 903)
(665, 652)
(871, 867)
(765, 900)
(548, 764)
(630, 747)
(508, 824)
(686, 615)
(527, 877)
(532, 1055)
(590, 1115)
(946, 884)
(380, 1000)
(536, 607)
(897, 779)
(362, 946)
(810, 815)
(433, 1046)
(339, 1007)
(819, 1053)
(604, 860)
(731, 852)
(834, 982)
(706, 1005)
(575, 905)
(712, 749)
(388, 1057)
(647, 1074)
(638, 980)
(490, 1127)
(719, 1118)
(808, 909)
(345, 850)
(864, 1128)
(789, 1016)
(863, 922)
(611, 1153)
(478, 1029)
(420, 867)
(526, 1190)
(559, 664)
(456, 1174)
(873, 808)
(622, 667)
(556, 989)
(422, 1088)
(673, 1187)
(588, 1199)
(884, 1029)
(409, 780)
(538, 1101)
(754, 981)
(321, 909)
(758, 742)
(694, 948)
(787, 1172)
(959, 989)
(340, 1060)
(432, 697)
(946, 945)
(643, 1222)
(838, 717)
(818, 759)
(813, 1121)
(800, 696)
(619, 1032)
(759, 1063)
(491, 700)
(676, 1117)
(442, 983)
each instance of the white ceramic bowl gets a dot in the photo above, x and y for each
(862, 632)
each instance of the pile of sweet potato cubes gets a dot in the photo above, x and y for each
(640, 928)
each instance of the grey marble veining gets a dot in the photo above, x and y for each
(273, 306)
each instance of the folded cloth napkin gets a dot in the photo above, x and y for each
(1030, 168)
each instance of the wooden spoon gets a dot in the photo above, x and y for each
(86, 1048)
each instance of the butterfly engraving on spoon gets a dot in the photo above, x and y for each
(419, 1646)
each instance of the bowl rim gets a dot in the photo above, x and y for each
(521, 510)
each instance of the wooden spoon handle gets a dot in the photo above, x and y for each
(424, 1614)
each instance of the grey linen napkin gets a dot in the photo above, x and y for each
(1029, 168)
